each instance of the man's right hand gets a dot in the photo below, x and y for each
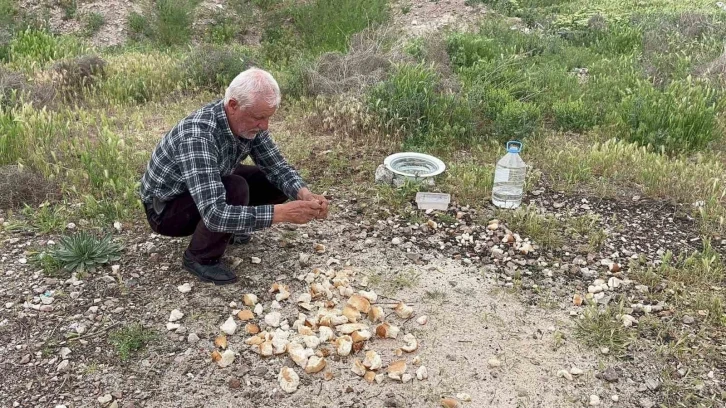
(296, 212)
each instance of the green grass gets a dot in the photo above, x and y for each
(84, 252)
(93, 23)
(601, 328)
(130, 339)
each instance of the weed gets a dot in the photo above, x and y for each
(70, 7)
(598, 329)
(446, 218)
(573, 115)
(47, 219)
(82, 251)
(48, 264)
(139, 26)
(130, 339)
(224, 28)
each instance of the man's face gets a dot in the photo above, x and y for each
(247, 122)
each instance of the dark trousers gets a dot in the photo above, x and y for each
(180, 217)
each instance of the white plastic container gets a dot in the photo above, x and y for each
(509, 178)
(432, 201)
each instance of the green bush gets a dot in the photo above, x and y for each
(680, 118)
(174, 18)
(411, 103)
(94, 22)
(139, 26)
(82, 252)
(224, 28)
(214, 67)
(517, 120)
(573, 115)
(326, 25)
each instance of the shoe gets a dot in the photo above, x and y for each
(216, 273)
(240, 238)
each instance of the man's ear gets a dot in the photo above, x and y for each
(232, 103)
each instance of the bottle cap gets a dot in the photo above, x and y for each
(514, 146)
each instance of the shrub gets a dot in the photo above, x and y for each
(79, 73)
(22, 186)
(341, 18)
(224, 28)
(139, 26)
(136, 77)
(173, 20)
(15, 89)
(489, 102)
(130, 339)
(517, 120)
(94, 22)
(573, 115)
(678, 119)
(411, 102)
(81, 252)
(214, 67)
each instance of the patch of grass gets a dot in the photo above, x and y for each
(130, 339)
(601, 328)
(69, 7)
(93, 23)
(48, 264)
(680, 118)
(224, 28)
(82, 252)
(139, 26)
(32, 48)
(47, 218)
(446, 218)
(438, 296)
(544, 229)
(411, 102)
(405, 279)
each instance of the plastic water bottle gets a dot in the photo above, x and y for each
(509, 178)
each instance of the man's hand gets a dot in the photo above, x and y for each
(306, 195)
(296, 212)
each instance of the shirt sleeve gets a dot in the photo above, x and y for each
(268, 158)
(198, 161)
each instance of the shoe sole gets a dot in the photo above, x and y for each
(203, 279)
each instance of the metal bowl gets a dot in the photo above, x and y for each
(415, 165)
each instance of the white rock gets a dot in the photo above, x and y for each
(185, 288)
(255, 260)
(229, 326)
(594, 400)
(193, 338)
(628, 320)
(46, 300)
(71, 226)
(615, 398)
(65, 351)
(273, 319)
(227, 358)
(565, 374)
(422, 373)
(396, 241)
(462, 396)
(406, 378)
(175, 315)
(576, 371)
(288, 379)
(275, 305)
(172, 326)
(304, 298)
(105, 399)
(494, 362)
(63, 366)
(422, 320)
(614, 282)
(118, 226)
(258, 309)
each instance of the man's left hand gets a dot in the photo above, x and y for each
(306, 195)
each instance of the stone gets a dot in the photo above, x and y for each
(594, 400)
(229, 326)
(175, 315)
(396, 241)
(185, 288)
(565, 374)
(609, 375)
(646, 403)
(255, 260)
(65, 351)
(494, 363)
(688, 319)
(193, 338)
(576, 371)
(105, 399)
(63, 366)
(652, 384)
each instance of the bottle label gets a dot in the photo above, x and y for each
(501, 175)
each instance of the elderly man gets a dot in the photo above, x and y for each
(195, 185)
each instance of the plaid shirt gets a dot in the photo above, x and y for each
(194, 156)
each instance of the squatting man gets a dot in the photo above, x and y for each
(196, 185)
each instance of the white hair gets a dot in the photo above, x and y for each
(252, 86)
